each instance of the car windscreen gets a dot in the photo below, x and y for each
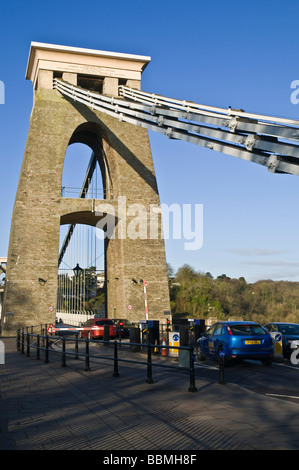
(288, 329)
(104, 322)
(239, 330)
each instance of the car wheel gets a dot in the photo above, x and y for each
(200, 355)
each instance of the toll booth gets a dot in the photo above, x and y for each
(150, 331)
(135, 339)
(193, 328)
(199, 328)
(153, 328)
(177, 322)
(184, 329)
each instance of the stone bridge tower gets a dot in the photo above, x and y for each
(124, 155)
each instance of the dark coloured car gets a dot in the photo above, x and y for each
(289, 332)
(123, 326)
(94, 328)
(237, 340)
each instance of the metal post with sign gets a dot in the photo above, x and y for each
(277, 344)
(174, 343)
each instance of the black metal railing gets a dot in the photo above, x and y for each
(42, 342)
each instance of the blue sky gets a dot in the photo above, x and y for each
(220, 53)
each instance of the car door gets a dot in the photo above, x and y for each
(86, 328)
(205, 340)
(215, 339)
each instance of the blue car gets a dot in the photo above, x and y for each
(237, 340)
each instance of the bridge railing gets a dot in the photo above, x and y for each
(87, 193)
(78, 348)
(74, 318)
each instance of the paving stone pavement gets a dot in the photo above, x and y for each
(44, 406)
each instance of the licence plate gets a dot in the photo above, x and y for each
(253, 341)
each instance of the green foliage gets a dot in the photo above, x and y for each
(198, 295)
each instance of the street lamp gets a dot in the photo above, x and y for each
(77, 270)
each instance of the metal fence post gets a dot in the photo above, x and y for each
(18, 340)
(37, 347)
(28, 345)
(87, 368)
(115, 359)
(22, 343)
(192, 387)
(221, 365)
(63, 363)
(149, 378)
(76, 346)
(47, 350)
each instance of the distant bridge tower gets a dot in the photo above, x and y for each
(123, 153)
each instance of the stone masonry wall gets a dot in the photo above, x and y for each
(34, 239)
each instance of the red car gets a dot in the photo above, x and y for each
(94, 328)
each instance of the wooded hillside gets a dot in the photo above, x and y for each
(199, 295)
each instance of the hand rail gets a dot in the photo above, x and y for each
(24, 337)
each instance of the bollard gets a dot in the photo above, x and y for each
(221, 365)
(87, 368)
(115, 359)
(192, 387)
(63, 363)
(149, 378)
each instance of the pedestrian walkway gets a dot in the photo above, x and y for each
(44, 406)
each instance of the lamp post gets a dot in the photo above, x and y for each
(77, 271)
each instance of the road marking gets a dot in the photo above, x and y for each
(205, 366)
(286, 365)
(281, 396)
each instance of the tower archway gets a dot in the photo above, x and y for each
(81, 244)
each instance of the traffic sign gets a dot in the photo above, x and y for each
(174, 340)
